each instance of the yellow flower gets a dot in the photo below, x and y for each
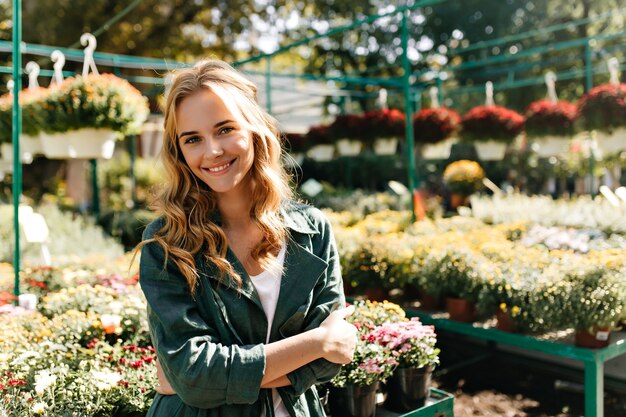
(38, 408)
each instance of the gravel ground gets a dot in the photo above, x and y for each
(505, 386)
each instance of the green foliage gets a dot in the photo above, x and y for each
(69, 237)
(126, 226)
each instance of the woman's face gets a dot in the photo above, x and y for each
(217, 148)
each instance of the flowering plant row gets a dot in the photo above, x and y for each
(68, 358)
(491, 265)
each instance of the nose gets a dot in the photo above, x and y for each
(213, 148)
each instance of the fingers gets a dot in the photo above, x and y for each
(345, 312)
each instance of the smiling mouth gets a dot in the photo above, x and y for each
(221, 168)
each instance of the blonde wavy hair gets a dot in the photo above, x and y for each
(189, 207)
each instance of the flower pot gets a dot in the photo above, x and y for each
(504, 322)
(322, 153)
(408, 388)
(598, 338)
(29, 147)
(440, 150)
(85, 143)
(551, 146)
(490, 150)
(429, 301)
(385, 146)
(461, 310)
(458, 200)
(349, 147)
(353, 401)
(611, 142)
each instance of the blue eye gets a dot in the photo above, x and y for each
(226, 130)
(192, 139)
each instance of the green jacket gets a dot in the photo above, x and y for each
(211, 348)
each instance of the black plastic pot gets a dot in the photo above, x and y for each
(408, 388)
(353, 401)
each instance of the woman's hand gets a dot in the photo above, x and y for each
(338, 336)
(164, 387)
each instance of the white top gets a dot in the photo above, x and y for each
(267, 285)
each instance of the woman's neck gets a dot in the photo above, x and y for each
(234, 208)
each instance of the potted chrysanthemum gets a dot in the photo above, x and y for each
(551, 126)
(603, 111)
(382, 128)
(413, 346)
(347, 133)
(321, 147)
(463, 178)
(353, 389)
(87, 114)
(491, 128)
(33, 116)
(434, 130)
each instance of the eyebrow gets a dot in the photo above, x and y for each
(195, 132)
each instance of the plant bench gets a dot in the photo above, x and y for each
(593, 359)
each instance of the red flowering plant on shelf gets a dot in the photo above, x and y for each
(383, 123)
(603, 108)
(435, 124)
(346, 126)
(318, 135)
(496, 123)
(545, 118)
(296, 142)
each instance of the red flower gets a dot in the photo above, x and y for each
(383, 123)
(6, 298)
(604, 107)
(16, 382)
(318, 135)
(346, 126)
(435, 124)
(491, 122)
(544, 118)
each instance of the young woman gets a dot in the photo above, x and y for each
(243, 284)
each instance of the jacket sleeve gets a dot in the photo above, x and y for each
(328, 296)
(203, 372)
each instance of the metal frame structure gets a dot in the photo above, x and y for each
(593, 359)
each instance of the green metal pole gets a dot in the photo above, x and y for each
(588, 67)
(133, 182)
(408, 108)
(594, 389)
(268, 83)
(95, 191)
(17, 128)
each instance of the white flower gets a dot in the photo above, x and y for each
(43, 380)
(105, 380)
(38, 408)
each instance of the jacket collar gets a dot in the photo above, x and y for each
(296, 220)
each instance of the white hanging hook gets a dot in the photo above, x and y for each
(550, 78)
(90, 43)
(59, 61)
(10, 86)
(433, 92)
(32, 69)
(613, 65)
(382, 98)
(489, 93)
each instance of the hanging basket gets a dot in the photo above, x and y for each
(29, 147)
(613, 142)
(440, 150)
(349, 147)
(321, 153)
(490, 150)
(386, 146)
(551, 146)
(86, 143)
